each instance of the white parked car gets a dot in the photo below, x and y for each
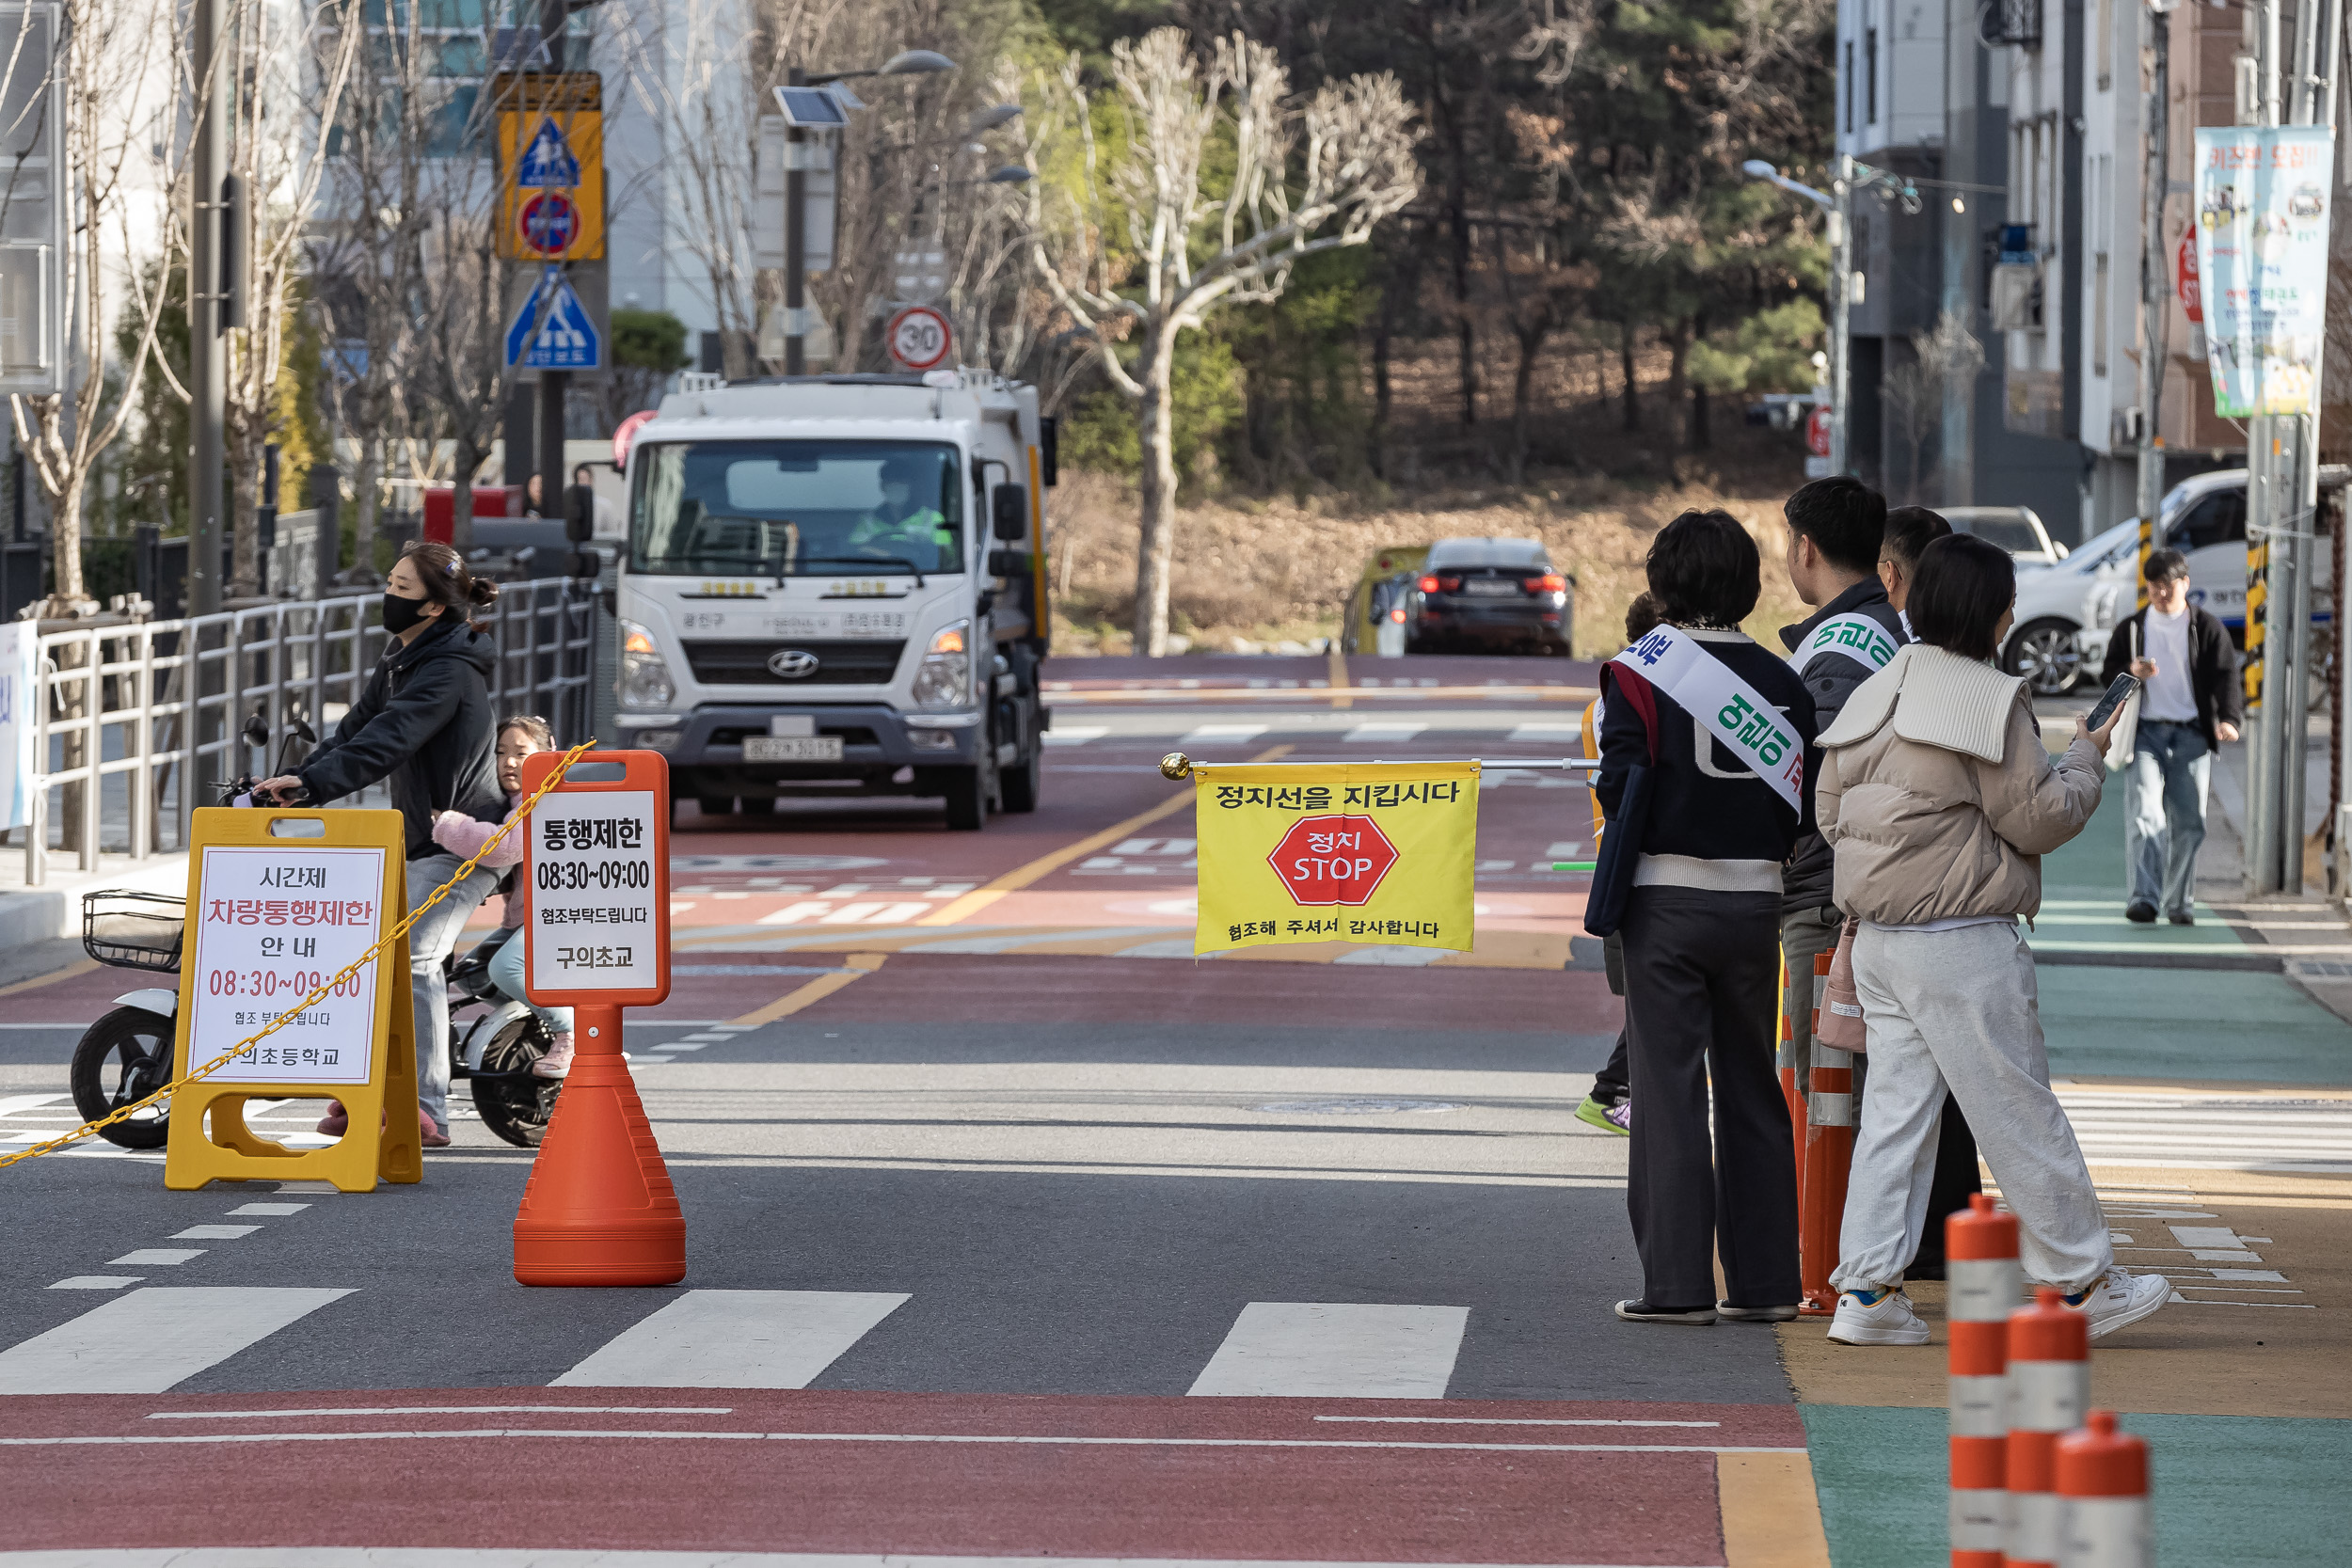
(2047, 641)
(2016, 529)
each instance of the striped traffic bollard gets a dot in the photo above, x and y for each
(2049, 1388)
(1981, 1266)
(2103, 1491)
(1826, 1152)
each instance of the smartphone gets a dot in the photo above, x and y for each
(2118, 695)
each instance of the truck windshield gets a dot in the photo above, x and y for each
(788, 507)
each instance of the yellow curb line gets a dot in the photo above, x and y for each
(79, 966)
(1772, 1515)
(859, 965)
(1020, 876)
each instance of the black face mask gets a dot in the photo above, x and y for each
(400, 614)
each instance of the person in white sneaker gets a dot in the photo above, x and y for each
(1939, 799)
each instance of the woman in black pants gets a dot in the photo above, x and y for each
(1726, 730)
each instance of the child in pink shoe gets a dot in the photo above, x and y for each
(519, 737)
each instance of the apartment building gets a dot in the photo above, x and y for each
(2028, 118)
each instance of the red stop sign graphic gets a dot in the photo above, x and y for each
(1332, 860)
(2192, 297)
(1817, 430)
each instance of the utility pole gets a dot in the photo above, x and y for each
(2156, 272)
(2269, 565)
(1841, 310)
(554, 21)
(208, 282)
(795, 243)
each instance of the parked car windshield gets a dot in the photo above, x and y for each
(2011, 532)
(787, 508)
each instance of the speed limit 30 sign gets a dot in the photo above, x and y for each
(920, 338)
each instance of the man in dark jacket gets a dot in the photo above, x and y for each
(1836, 528)
(2190, 706)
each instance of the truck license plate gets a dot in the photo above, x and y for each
(791, 747)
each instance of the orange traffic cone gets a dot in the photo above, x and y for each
(599, 1209)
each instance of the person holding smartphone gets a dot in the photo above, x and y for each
(2191, 706)
(1937, 795)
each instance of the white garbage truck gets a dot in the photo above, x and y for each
(835, 584)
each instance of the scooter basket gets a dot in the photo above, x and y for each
(134, 930)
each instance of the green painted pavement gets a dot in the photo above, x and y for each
(2151, 1022)
(2241, 1490)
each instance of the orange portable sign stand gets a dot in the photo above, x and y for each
(599, 1209)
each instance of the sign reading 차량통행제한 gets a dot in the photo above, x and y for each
(1372, 853)
(597, 890)
(272, 924)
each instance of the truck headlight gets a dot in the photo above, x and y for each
(644, 677)
(945, 678)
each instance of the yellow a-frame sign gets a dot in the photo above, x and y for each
(280, 903)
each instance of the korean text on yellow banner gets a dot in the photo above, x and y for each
(1375, 852)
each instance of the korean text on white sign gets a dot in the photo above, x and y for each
(272, 926)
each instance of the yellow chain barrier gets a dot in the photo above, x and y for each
(521, 813)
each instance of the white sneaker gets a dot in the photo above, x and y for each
(1888, 1321)
(2118, 1299)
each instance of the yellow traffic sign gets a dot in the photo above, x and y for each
(280, 903)
(551, 166)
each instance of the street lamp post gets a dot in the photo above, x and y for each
(908, 62)
(1838, 208)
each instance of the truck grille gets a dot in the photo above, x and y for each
(838, 663)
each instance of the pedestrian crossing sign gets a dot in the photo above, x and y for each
(553, 330)
(280, 904)
(551, 166)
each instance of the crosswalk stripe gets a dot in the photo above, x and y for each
(1323, 1350)
(1076, 734)
(735, 1340)
(153, 1339)
(1363, 735)
(1546, 734)
(2211, 1129)
(1227, 734)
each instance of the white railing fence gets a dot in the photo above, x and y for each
(138, 721)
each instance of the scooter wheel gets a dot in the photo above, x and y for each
(124, 1057)
(514, 1104)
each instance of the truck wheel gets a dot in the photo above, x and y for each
(1023, 782)
(967, 799)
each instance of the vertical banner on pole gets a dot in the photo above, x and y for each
(599, 1208)
(2262, 263)
(280, 902)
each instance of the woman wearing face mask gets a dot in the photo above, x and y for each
(424, 722)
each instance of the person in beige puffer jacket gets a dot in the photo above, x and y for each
(1939, 800)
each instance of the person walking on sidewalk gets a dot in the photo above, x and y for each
(2191, 706)
(1610, 1105)
(1940, 801)
(1835, 531)
(1716, 732)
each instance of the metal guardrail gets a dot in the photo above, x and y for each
(135, 720)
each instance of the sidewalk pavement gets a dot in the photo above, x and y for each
(2234, 1037)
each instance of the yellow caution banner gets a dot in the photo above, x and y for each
(1370, 852)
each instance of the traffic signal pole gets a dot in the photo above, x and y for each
(554, 20)
(208, 379)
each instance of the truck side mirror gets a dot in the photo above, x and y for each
(585, 564)
(1010, 509)
(579, 513)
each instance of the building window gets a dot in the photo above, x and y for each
(1848, 87)
(2099, 314)
(1870, 47)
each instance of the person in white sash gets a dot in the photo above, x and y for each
(1936, 793)
(1725, 729)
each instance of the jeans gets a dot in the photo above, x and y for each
(506, 973)
(431, 941)
(1958, 1009)
(2168, 814)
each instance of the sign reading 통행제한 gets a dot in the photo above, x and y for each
(273, 925)
(596, 892)
(1375, 852)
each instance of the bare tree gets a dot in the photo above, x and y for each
(128, 106)
(281, 171)
(1914, 391)
(1215, 184)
